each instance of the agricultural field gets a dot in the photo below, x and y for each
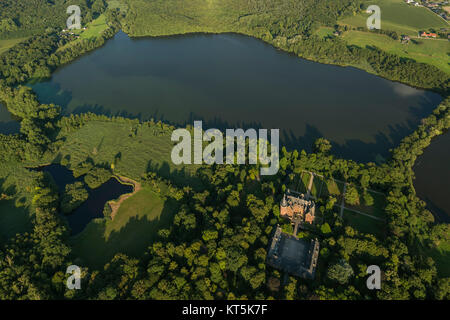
(434, 52)
(398, 16)
(404, 19)
(133, 229)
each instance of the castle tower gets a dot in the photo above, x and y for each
(283, 201)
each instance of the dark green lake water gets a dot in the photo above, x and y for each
(233, 81)
(432, 172)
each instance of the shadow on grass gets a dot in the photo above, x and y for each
(179, 177)
(94, 247)
(14, 214)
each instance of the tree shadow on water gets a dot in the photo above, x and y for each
(50, 92)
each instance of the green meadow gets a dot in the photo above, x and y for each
(399, 16)
(117, 4)
(133, 229)
(363, 223)
(14, 218)
(134, 149)
(434, 52)
(406, 19)
(377, 209)
(94, 28)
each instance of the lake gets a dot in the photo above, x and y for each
(232, 81)
(433, 176)
(92, 208)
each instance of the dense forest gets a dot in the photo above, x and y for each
(215, 247)
(31, 17)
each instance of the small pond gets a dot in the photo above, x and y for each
(92, 208)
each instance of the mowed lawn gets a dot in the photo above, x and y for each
(330, 187)
(131, 232)
(404, 19)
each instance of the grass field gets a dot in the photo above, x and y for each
(117, 4)
(14, 218)
(398, 16)
(304, 182)
(434, 52)
(317, 187)
(94, 29)
(333, 188)
(108, 142)
(363, 223)
(7, 44)
(131, 232)
(404, 19)
(321, 187)
(376, 210)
